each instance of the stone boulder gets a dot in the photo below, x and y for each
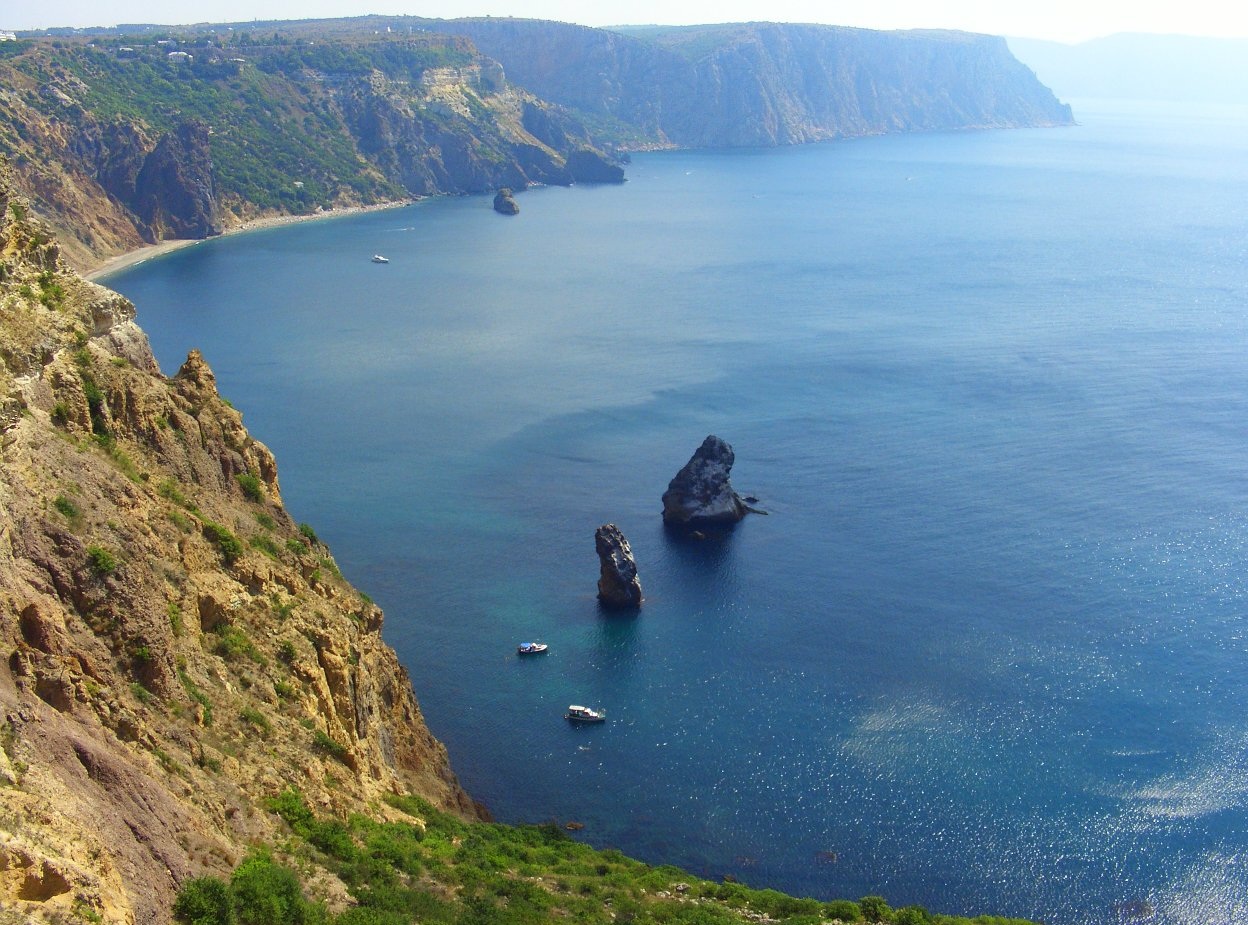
(505, 204)
(701, 493)
(618, 587)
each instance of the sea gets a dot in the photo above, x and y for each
(987, 649)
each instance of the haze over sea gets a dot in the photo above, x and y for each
(988, 650)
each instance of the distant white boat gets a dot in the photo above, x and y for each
(578, 714)
(377, 258)
(531, 648)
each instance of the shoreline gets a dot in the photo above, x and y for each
(128, 259)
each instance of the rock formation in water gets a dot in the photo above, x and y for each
(619, 588)
(176, 648)
(701, 493)
(505, 203)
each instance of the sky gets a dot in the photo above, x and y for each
(1058, 20)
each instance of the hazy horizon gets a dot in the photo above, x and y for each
(1065, 21)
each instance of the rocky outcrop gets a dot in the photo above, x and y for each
(701, 493)
(588, 166)
(175, 648)
(619, 588)
(505, 203)
(748, 84)
(175, 194)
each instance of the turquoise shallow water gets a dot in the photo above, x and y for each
(988, 648)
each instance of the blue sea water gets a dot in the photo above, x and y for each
(988, 650)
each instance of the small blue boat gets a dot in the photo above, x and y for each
(531, 648)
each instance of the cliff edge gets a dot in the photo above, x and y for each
(176, 648)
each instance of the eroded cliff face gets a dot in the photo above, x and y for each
(175, 648)
(748, 84)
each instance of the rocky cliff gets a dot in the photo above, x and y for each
(175, 647)
(121, 140)
(750, 84)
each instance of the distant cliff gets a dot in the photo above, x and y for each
(176, 648)
(766, 83)
(178, 134)
(181, 132)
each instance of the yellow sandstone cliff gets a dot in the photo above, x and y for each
(174, 647)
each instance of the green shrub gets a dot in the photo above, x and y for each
(323, 743)
(231, 546)
(844, 909)
(290, 806)
(309, 534)
(102, 561)
(266, 893)
(204, 901)
(252, 487)
(67, 507)
(875, 909)
(912, 915)
(286, 651)
(265, 520)
(95, 403)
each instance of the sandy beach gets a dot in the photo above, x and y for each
(131, 258)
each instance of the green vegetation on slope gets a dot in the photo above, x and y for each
(431, 867)
(278, 142)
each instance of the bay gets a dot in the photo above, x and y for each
(987, 650)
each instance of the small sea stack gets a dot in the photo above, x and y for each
(505, 203)
(619, 588)
(701, 494)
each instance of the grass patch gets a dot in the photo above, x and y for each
(266, 545)
(193, 691)
(256, 720)
(233, 644)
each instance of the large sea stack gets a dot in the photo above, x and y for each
(619, 588)
(505, 203)
(701, 493)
